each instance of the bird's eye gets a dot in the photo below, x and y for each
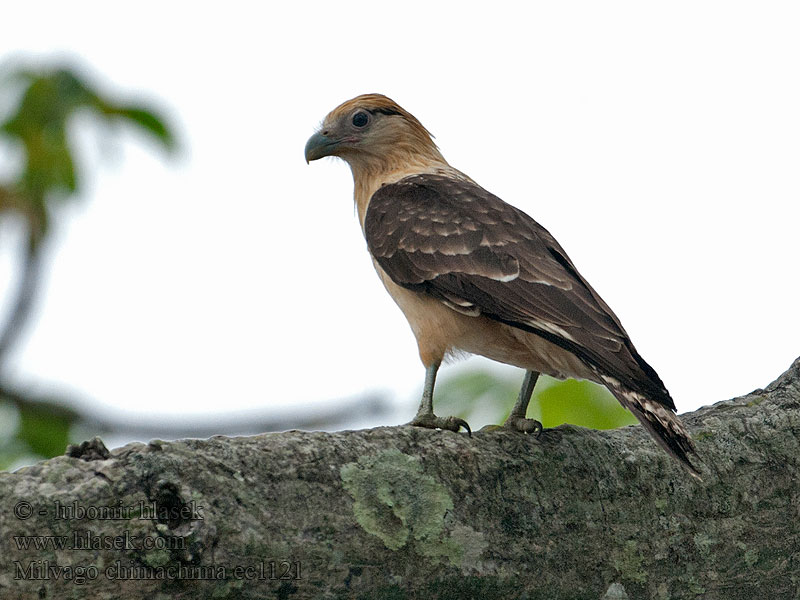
(360, 119)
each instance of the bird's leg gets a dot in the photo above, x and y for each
(425, 416)
(516, 420)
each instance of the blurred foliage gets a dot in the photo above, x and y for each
(32, 429)
(580, 403)
(481, 397)
(37, 124)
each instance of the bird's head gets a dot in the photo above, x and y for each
(372, 132)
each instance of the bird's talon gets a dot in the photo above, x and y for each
(459, 423)
(525, 425)
(431, 421)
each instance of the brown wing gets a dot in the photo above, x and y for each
(455, 241)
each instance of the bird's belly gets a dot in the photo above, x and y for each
(523, 349)
(441, 330)
(436, 327)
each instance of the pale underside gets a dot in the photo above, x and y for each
(442, 332)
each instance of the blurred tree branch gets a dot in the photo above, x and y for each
(27, 290)
(70, 413)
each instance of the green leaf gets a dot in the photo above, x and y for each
(50, 165)
(45, 432)
(480, 395)
(149, 122)
(579, 403)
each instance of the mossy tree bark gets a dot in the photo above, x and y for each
(403, 512)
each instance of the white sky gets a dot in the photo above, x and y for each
(659, 143)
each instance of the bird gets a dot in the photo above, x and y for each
(475, 275)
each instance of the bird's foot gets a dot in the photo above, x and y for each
(431, 421)
(524, 425)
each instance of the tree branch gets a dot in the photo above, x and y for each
(27, 291)
(410, 513)
(74, 410)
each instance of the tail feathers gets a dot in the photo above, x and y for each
(664, 426)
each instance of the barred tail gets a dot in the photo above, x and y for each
(663, 425)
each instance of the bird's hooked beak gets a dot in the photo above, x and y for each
(319, 145)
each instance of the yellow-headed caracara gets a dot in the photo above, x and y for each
(474, 274)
